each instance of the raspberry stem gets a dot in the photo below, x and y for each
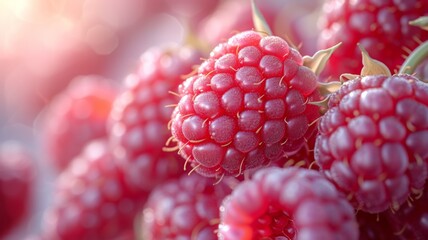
(414, 59)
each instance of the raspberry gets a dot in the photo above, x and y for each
(381, 27)
(92, 200)
(186, 208)
(16, 176)
(138, 124)
(373, 139)
(75, 117)
(246, 107)
(290, 203)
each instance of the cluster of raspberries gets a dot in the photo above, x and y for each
(249, 141)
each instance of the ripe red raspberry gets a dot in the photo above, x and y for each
(75, 117)
(16, 177)
(186, 208)
(246, 107)
(138, 124)
(92, 200)
(373, 139)
(381, 27)
(290, 203)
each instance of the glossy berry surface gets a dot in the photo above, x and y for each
(246, 107)
(138, 124)
(186, 208)
(373, 140)
(291, 203)
(75, 117)
(91, 200)
(381, 27)
(17, 174)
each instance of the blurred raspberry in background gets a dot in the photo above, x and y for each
(46, 45)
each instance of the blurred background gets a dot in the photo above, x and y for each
(46, 44)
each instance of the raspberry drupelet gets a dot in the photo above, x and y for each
(92, 199)
(76, 116)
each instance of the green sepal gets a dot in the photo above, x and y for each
(259, 21)
(327, 88)
(348, 76)
(318, 61)
(372, 66)
(421, 22)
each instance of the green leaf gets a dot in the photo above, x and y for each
(421, 22)
(372, 66)
(260, 23)
(317, 62)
